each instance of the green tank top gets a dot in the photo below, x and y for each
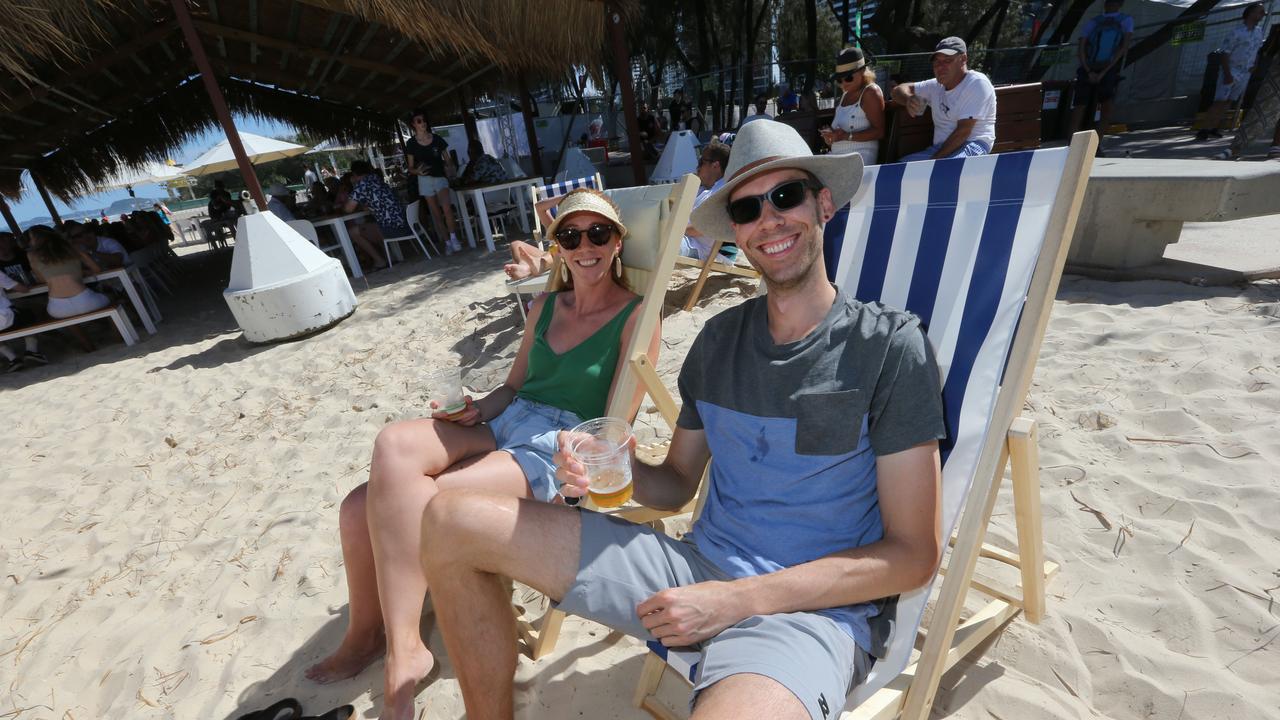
(578, 379)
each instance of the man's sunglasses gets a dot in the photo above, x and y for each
(784, 197)
(598, 233)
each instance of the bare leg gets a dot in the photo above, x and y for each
(469, 540)
(1213, 117)
(442, 198)
(364, 641)
(369, 238)
(1077, 118)
(529, 260)
(748, 695)
(381, 545)
(1104, 119)
(437, 220)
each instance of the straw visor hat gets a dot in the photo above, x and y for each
(583, 200)
(768, 145)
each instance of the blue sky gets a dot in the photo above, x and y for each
(32, 206)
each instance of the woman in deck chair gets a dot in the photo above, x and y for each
(502, 443)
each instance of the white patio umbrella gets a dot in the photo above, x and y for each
(151, 173)
(259, 149)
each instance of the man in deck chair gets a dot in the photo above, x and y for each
(823, 494)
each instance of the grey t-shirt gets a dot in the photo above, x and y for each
(794, 431)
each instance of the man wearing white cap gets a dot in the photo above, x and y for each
(820, 416)
(963, 103)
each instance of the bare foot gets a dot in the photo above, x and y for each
(349, 660)
(517, 270)
(402, 676)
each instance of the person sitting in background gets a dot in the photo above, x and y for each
(13, 261)
(368, 190)
(281, 202)
(62, 266)
(648, 132)
(105, 251)
(563, 373)
(963, 103)
(758, 108)
(859, 121)
(711, 164)
(12, 318)
(482, 168)
(788, 100)
(319, 200)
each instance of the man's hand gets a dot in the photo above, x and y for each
(916, 106)
(682, 616)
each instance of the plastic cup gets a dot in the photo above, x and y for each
(603, 447)
(446, 388)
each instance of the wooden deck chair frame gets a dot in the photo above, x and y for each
(910, 695)
(713, 263)
(647, 271)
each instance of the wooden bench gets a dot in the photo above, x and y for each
(115, 312)
(1017, 124)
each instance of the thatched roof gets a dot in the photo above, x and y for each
(94, 85)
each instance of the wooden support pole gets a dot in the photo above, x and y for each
(8, 217)
(44, 195)
(219, 102)
(622, 71)
(526, 109)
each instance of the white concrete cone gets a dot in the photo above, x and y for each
(575, 164)
(679, 158)
(281, 285)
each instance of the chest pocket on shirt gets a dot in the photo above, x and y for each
(830, 423)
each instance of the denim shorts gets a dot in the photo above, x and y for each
(528, 430)
(429, 185)
(622, 564)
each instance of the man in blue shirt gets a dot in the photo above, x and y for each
(1101, 49)
(820, 416)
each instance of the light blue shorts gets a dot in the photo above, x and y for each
(528, 429)
(429, 185)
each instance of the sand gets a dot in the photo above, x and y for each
(169, 544)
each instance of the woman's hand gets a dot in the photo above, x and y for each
(828, 135)
(468, 416)
(570, 473)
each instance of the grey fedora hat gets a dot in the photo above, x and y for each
(770, 145)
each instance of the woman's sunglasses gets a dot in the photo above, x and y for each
(782, 197)
(598, 233)
(847, 77)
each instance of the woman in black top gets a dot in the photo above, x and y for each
(429, 159)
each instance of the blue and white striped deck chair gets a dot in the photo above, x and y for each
(556, 189)
(975, 248)
(537, 283)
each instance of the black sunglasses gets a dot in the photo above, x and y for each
(847, 77)
(782, 197)
(598, 233)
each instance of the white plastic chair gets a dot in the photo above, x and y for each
(413, 216)
(410, 216)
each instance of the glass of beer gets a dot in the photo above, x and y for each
(603, 447)
(446, 389)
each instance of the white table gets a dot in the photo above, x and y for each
(477, 194)
(339, 223)
(120, 274)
